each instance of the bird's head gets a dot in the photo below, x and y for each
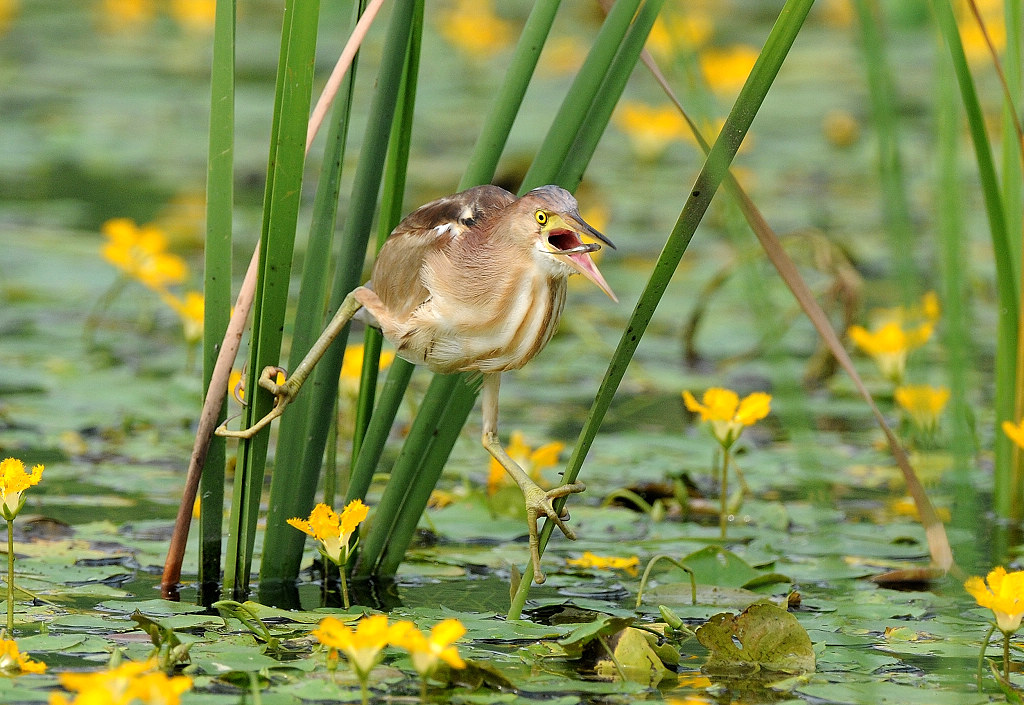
(556, 229)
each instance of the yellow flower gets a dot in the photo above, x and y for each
(157, 688)
(140, 252)
(190, 310)
(194, 15)
(439, 499)
(837, 13)
(562, 55)
(352, 365)
(923, 402)
(726, 70)
(472, 27)
(532, 461)
(131, 682)
(14, 663)
(361, 646)
(889, 345)
(975, 46)
(333, 530)
(13, 481)
(727, 414)
(651, 129)
(126, 14)
(8, 9)
(930, 309)
(427, 652)
(589, 560)
(1004, 595)
(1015, 431)
(673, 32)
(841, 128)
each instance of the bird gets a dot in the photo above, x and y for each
(471, 282)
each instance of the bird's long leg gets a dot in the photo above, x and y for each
(285, 392)
(538, 502)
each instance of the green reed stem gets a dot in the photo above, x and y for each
(955, 296)
(1006, 491)
(572, 114)
(217, 277)
(293, 485)
(767, 66)
(280, 214)
(284, 565)
(432, 430)
(395, 169)
(882, 93)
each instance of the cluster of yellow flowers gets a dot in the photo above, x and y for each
(124, 15)
(364, 645)
(129, 683)
(652, 128)
(896, 333)
(140, 253)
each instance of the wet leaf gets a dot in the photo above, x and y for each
(761, 638)
(637, 658)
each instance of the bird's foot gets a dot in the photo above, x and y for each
(538, 504)
(284, 390)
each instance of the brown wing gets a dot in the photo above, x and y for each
(396, 274)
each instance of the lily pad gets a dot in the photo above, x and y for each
(761, 638)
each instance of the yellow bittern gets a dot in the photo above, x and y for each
(471, 282)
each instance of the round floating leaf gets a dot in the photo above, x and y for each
(761, 638)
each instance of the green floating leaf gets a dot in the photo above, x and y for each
(640, 658)
(298, 616)
(713, 565)
(228, 661)
(41, 643)
(761, 638)
(153, 608)
(882, 693)
(606, 626)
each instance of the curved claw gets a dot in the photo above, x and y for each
(283, 395)
(539, 503)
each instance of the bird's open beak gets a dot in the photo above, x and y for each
(564, 242)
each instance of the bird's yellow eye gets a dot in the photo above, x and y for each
(541, 217)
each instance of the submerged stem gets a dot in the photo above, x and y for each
(10, 577)
(1006, 656)
(723, 514)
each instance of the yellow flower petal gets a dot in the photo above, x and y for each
(1004, 595)
(1015, 432)
(753, 408)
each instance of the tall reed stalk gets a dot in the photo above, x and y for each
(217, 278)
(280, 215)
(1009, 483)
(714, 170)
